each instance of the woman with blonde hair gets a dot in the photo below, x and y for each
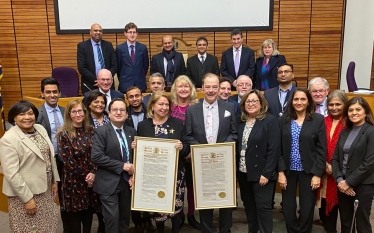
(183, 95)
(78, 174)
(267, 64)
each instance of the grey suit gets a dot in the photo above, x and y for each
(195, 134)
(43, 118)
(114, 191)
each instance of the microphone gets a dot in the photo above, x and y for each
(355, 205)
(87, 87)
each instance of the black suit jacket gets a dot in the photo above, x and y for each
(274, 63)
(106, 154)
(360, 163)
(196, 71)
(157, 65)
(263, 148)
(129, 121)
(195, 127)
(312, 145)
(272, 96)
(44, 121)
(146, 128)
(86, 62)
(247, 63)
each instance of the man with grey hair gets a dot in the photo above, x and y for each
(319, 89)
(243, 85)
(156, 83)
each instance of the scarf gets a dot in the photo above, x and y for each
(170, 66)
(331, 189)
(265, 71)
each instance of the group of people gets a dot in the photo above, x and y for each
(310, 141)
(130, 61)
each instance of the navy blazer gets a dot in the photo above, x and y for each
(263, 148)
(360, 163)
(157, 65)
(312, 145)
(130, 74)
(86, 62)
(272, 76)
(234, 98)
(272, 97)
(196, 71)
(106, 154)
(195, 126)
(113, 94)
(247, 63)
(176, 130)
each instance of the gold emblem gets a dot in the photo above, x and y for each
(171, 131)
(161, 194)
(156, 150)
(222, 194)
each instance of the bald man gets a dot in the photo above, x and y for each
(93, 55)
(169, 62)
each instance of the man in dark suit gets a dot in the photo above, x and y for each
(113, 154)
(133, 61)
(280, 97)
(225, 93)
(104, 82)
(243, 85)
(202, 63)
(137, 110)
(237, 60)
(219, 127)
(93, 55)
(169, 62)
(51, 117)
(156, 83)
(319, 89)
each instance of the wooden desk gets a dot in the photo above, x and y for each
(369, 98)
(62, 101)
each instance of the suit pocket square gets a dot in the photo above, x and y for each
(227, 113)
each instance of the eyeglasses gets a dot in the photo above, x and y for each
(244, 85)
(105, 79)
(130, 97)
(249, 102)
(114, 110)
(74, 112)
(317, 92)
(284, 71)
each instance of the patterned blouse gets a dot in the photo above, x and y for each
(247, 131)
(179, 112)
(75, 153)
(295, 160)
(106, 120)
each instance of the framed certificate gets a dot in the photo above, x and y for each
(156, 168)
(214, 175)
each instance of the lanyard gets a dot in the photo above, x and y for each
(124, 144)
(285, 101)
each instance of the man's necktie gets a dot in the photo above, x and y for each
(209, 124)
(202, 59)
(57, 121)
(100, 57)
(318, 108)
(124, 153)
(236, 62)
(132, 54)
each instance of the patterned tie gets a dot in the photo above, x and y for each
(202, 59)
(318, 108)
(124, 153)
(100, 57)
(237, 62)
(132, 54)
(57, 121)
(209, 124)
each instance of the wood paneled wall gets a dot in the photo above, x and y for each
(308, 33)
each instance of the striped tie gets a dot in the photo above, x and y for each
(100, 57)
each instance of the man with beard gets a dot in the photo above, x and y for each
(169, 62)
(243, 85)
(93, 55)
(137, 110)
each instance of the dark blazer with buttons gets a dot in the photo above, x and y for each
(360, 163)
(312, 145)
(176, 130)
(263, 148)
(44, 120)
(106, 154)
(272, 97)
(274, 63)
(196, 71)
(246, 66)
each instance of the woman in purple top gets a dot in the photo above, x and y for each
(183, 94)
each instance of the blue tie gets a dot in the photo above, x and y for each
(126, 175)
(100, 57)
